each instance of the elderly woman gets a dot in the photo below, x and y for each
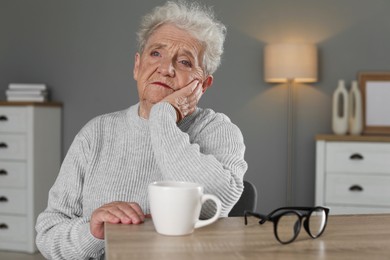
(106, 172)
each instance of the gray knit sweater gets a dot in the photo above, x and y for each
(114, 158)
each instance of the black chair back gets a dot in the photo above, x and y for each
(247, 201)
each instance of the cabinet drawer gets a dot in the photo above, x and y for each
(13, 174)
(13, 201)
(354, 189)
(13, 146)
(358, 157)
(13, 228)
(13, 119)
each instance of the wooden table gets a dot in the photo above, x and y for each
(345, 237)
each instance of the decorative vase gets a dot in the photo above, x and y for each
(340, 109)
(355, 110)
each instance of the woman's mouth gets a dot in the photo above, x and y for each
(161, 84)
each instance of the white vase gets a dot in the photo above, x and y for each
(340, 109)
(355, 110)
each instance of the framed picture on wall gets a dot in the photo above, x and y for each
(375, 89)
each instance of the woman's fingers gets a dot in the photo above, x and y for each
(115, 212)
(186, 99)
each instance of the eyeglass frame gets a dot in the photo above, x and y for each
(286, 210)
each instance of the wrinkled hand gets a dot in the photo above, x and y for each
(185, 99)
(115, 212)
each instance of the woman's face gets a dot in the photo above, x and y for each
(171, 59)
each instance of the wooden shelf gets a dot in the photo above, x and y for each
(31, 103)
(352, 138)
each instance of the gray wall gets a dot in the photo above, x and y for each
(84, 50)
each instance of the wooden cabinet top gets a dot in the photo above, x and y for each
(37, 104)
(353, 138)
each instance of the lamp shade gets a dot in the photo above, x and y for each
(297, 62)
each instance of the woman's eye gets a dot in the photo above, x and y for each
(186, 63)
(155, 53)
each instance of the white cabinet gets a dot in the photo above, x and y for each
(353, 174)
(30, 157)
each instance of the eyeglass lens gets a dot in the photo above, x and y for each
(317, 221)
(288, 227)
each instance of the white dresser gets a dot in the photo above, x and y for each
(30, 157)
(353, 174)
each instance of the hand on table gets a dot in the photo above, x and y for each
(115, 212)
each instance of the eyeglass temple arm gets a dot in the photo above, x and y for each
(298, 208)
(278, 212)
(262, 217)
(307, 209)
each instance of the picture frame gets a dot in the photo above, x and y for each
(375, 90)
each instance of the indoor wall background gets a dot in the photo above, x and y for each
(84, 51)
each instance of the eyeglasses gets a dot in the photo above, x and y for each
(288, 221)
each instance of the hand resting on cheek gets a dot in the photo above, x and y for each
(186, 99)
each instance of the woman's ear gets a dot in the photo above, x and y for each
(208, 82)
(136, 66)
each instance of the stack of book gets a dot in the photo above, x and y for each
(27, 92)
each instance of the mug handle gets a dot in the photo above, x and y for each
(205, 197)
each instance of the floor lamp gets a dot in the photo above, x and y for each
(290, 63)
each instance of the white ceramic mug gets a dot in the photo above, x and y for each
(175, 207)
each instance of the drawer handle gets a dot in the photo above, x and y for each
(3, 199)
(3, 226)
(3, 118)
(3, 172)
(3, 145)
(356, 188)
(356, 156)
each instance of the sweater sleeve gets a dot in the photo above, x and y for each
(62, 230)
(213, 155)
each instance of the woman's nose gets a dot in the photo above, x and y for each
(166, 68)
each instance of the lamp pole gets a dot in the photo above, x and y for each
(293, 62)
(290, 142)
